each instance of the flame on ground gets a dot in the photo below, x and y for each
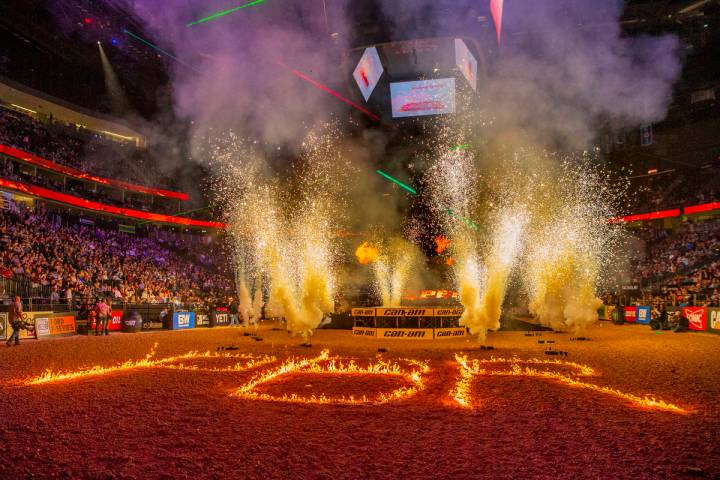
(325, 364)
(463, 396)
(50, 376)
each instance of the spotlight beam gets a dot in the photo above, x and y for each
(224, 12)
(332, 92)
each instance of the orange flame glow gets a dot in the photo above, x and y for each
(463, 397)
(441, 244)
(324, 364)
(252, 361)
(366, 253)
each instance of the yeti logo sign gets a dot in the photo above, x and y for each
(404, 312)
(405, 333)
(696, 317)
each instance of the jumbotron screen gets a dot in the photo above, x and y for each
(424, 97)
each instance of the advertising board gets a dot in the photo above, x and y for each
(183, 320)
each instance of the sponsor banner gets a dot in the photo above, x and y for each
(363, 312)
(4, 326)
(183, 320)
(630, 314)
(456, 332)
(202, 320)
(642, 315)
(405, 333)
(404, 312)
(449, 312)
(697, 317)
(438, 294)
(220, 319)
(607, 312)
(364, 332)
(56, 325)
(713, 318)
(157, 324)
(114, 322)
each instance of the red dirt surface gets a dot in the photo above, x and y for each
(176, 424)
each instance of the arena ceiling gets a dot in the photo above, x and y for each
(51, 45)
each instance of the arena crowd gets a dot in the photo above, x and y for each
(76, 262)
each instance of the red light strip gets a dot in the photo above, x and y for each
(647, 216)
(704, 207)
(335, 94)
(101, 207)
(72, 172)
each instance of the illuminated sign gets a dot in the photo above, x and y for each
(101, 207)
(466, 62)
(368, 72)
(71, 172)
(425, 97)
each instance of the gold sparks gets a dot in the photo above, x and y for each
(528, 368)
(324, 364)
(250, 361)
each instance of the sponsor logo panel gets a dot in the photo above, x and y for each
(405, 333)
(696, 316)
(363, 332)
(450, 332)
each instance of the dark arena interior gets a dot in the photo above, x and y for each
(360, 239)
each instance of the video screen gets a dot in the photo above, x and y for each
(425, 97)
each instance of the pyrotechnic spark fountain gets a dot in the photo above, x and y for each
(504, 251)
(293, 245)
(392, 263)
(571, 246)
(50, 376)
(324, 364)
(470, 369)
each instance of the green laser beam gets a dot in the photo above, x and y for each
(466, 221)
(464, 146)
(225, 12)
(152, 45)
(397, 182)
(178, 214)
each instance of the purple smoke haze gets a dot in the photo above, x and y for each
(564, 68)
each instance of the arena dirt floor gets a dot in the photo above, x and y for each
(187, 418)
